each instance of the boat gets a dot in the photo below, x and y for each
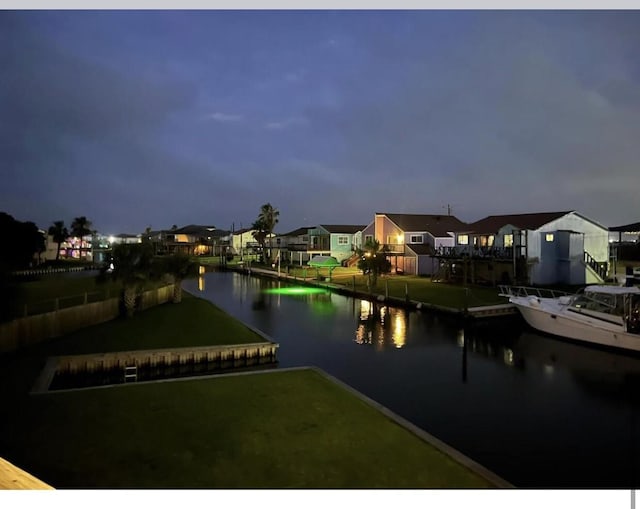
(605, 315)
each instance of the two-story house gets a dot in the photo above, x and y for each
(412, 239)
(292, 246)
(337, 240)
(539, 248)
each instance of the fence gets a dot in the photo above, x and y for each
(32, 329)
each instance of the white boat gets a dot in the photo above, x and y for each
(602, 314)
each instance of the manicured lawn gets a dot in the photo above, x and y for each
(270, 430)
(192, 322)
(420, 289)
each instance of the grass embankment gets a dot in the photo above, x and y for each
(420, 289)
(270, 430)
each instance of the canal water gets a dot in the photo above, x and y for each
(538, 411)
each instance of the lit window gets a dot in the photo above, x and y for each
(549, 237)
(491, 240)
(463, 239)
(343, 240)
(416, 239)
(508, 240)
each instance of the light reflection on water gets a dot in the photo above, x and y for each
(538, 411)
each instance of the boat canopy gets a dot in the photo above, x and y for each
(612, 290)
(324, 261)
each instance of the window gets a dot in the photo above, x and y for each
(368, 239)
(416, 239)
(305, 238)
(343, 240)
(486, 240)
(549, 237)
(463, 240)
(508, 240)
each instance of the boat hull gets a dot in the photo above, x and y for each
(546, 315)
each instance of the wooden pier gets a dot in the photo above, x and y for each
(14, 478)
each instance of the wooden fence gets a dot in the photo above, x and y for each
(32, 329)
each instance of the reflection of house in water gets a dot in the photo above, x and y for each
(381, 325)
(602, 370)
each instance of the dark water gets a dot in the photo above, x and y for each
(540, 412)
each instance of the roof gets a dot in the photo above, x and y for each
(195, 229)
(491, 224)
(437, 225)
(421, 249)
(615, 290)
(295, 233)
(324, 261)
(243, 230)
(343, 228)
(633, 227)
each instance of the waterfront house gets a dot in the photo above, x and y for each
(337, 240)
(192, 239)
(292, 246)
(413, 239)
(538, 248)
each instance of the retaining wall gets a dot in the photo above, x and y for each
(25, 331)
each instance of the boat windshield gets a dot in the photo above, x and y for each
(600, 302)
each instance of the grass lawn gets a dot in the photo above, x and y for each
(420, 289)
(39, 295)
(192, 322)
(270, 430)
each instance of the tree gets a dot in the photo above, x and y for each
(260, 234)
(268, 219)
(26, 242)
(59, 233)
(81, 227)
(373, 261)
(133, 265)
(180, 266)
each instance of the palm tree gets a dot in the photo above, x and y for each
(133, 266)
(268, 218)
(373, 261)
(260, 234)
(81, 227)
(180, 266)
(59, 233)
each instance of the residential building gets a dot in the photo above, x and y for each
(539, 249)
(292, 246)
(413, 239)
(339, 241)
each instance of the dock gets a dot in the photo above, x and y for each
(14, 478)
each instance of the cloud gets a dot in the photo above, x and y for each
(286, 123)
(225, 117)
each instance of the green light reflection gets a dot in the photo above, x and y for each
(295, 290)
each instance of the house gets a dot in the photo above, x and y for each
(539, 249)
(192, 239)
(337, 240)
(413, 239)
(243, 242)
(292, 246)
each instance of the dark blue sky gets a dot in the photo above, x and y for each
(154, 118)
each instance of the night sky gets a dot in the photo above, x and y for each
(155, 118)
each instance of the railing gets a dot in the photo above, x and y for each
(600, 268)
(53, 270)
(394, 248)
(528, 291)
(501, 253)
